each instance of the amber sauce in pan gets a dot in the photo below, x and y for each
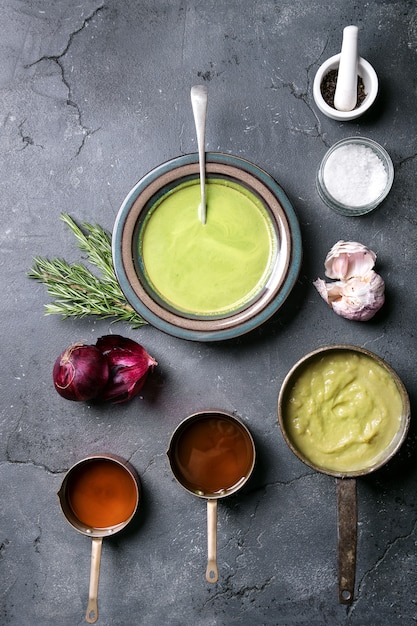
(212, 455)
(101, 493)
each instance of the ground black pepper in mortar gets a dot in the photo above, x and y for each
(328, 88)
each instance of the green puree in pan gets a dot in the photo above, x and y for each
(210, 269)
(343, 412)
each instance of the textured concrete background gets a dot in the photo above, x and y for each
(94, 95)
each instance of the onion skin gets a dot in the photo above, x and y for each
(80, 372)
(129, 364)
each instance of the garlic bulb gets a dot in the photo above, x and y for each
(359, 291)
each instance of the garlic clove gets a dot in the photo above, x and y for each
(358, 298)
(329, 291)
(347, 259)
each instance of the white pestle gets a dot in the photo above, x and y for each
(346, 93)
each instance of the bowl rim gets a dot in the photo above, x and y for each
(345, 209)
(400, 435)
(211, 329)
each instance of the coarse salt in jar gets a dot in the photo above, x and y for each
(355, 176)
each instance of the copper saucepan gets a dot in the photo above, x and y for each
(212, 455)
(99, 496)
(296, 430)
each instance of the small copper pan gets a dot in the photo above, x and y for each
(212, 455)
(85, 504)
(345, 480)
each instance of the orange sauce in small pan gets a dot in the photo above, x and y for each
(213, 455)
(101, 493)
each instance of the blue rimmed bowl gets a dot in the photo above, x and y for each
(141, 210)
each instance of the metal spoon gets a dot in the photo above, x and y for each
(199, 104)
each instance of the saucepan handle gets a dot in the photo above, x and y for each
(347, 520)
(212, 574)
(91, 615)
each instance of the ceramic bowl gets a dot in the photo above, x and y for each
(370, 81)
(354, 210)
(142, 291)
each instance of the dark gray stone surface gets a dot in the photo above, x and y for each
(94, 95)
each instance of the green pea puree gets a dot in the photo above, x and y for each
(211, 269)
(343, 412)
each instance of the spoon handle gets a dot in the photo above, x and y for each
(199, 105)
(212, 574)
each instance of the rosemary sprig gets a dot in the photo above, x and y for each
(77, 292)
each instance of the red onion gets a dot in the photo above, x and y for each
(129, 365)
(80, 372)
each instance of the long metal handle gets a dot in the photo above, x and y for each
(347, 522)
(212, 574)
(91, 615)
(199, 105)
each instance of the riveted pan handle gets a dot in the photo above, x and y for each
(347, 520)
(212, 574)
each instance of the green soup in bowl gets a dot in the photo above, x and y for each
(214, 281)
